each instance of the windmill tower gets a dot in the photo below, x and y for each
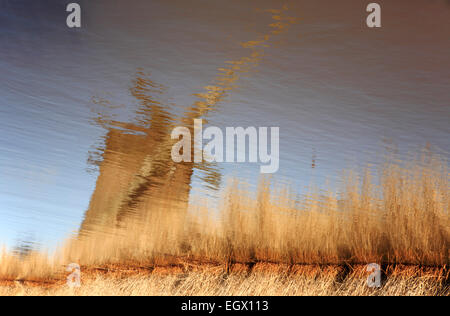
(136, 173)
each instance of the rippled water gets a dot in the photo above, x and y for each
(86, 114)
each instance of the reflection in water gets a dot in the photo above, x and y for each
(137, 174)
(335, 88)
(24, 245)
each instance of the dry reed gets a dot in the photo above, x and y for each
(400, 217)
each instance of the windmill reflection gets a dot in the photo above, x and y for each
(136, 172)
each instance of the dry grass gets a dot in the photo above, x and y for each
(263, 280)
(402, 218)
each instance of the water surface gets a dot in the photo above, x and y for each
(108, 94)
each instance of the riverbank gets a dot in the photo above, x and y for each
(260, 279)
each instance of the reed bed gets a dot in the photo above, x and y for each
(265, 280)
(398, 216)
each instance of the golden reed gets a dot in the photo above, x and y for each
(398, 218)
